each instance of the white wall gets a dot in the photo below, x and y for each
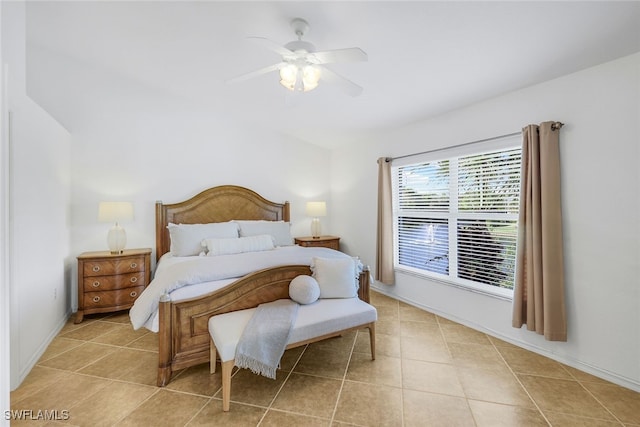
(38, 199)
(5, 302)
(601, 203)
(173, 156)
(143, 146)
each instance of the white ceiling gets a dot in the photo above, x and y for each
(425, 57)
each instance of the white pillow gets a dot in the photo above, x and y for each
(280, 230)
(304, 289)
(336, 277)
(186, 239)
(238, 245)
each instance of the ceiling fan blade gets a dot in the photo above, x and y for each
(257, 73)
(346, 85)
(352, 54)
(271, 45)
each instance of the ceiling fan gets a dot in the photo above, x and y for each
(302, 67)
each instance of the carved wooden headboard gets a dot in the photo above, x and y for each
(217, 204)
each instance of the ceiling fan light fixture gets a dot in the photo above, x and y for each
(302, 78)
(311, 76)
(302, 67)
(309, 86)
(288, 76)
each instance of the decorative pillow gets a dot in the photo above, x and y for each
(336, 277)
(304, 289)
(186, 238)
(280, 230)
(238, 245)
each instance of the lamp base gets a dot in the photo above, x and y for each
(116, 239)
(315, 228)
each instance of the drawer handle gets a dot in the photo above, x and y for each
(133, 279)
(96, 268)
(95, 284)
(96, 299)
(133, 294)
(134, 264)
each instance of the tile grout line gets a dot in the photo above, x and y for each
(81, 343)
(136, 407)
(84, 342)
(446, 343)
(593, 395)
(269, 407)
(521, 384)
(204, 405)
(401, 364)
(344, 376)
(572, 378)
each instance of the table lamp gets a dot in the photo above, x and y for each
(316, 210)
(116, 212)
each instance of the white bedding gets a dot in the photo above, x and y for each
(188, 277)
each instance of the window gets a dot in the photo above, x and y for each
(456, 216)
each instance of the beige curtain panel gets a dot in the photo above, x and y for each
(538, 298)
(384, 244)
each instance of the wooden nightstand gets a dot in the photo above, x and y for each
(331, 242)
(108, 282)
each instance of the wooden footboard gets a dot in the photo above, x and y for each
(184, 332)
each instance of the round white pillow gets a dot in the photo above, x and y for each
(304, 289)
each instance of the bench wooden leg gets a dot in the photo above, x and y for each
(212, 357)
(372, 340)
(227, 367)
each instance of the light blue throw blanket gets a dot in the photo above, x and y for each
(265, 337)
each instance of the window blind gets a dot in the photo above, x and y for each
(456, 217)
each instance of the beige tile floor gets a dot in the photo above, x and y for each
(428, 372)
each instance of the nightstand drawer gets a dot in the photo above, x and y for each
(316, 244)
(105, 283)
(112, 298)
(115, 266)
(331, 242)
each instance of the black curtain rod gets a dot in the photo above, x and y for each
(554, 126)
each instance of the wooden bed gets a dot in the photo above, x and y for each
(183, 326)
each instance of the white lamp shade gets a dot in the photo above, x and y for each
(288, 76)
(316, 209)
(115, 211)
(310, 77)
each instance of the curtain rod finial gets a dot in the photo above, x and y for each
(557, 125)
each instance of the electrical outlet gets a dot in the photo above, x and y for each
(55, 293)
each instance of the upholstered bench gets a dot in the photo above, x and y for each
(322, 319)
